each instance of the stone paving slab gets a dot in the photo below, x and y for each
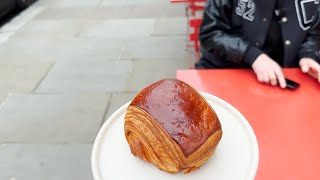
(132, 11)
(145, 2)
(147, 10)
(117, 100)
(49, 118)
(119, 28)
(52, 49)
(156, 10)
(118, 3)
(161, 47)
(2, 96)
(171, 26)
(125, 2)
(21, 76)
(67, 13)
(147, 71)
(87, 76)
(94, 3)
(55, 28)
(43, 161)
(68, 3)
(128, 11)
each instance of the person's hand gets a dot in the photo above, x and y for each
(268, 71)
(311, 67)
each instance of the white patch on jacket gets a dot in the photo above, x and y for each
(246, 9)
(304, 22)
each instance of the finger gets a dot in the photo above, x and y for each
(305, 67)
(314, 66)
(314, 69)
(313, 74)
(273, 79)
(260, 77)
(280, 77)
(266, 78)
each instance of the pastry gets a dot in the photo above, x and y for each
(172, 126)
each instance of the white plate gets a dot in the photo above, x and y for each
(236, 157)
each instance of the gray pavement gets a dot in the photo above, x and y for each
(67, 65)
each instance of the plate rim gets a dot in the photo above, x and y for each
(252, 136)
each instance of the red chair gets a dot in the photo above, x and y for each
(194, 22)
(194, 6)
(193, 37)
(179, 1)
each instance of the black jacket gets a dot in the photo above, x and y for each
(233, 32)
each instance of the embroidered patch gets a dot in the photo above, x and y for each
(304, 18)
(246, 9)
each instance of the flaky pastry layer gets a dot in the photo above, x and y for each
(150, 142)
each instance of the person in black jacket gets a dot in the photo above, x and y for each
(262, 34)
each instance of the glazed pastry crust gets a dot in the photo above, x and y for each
(174, 141)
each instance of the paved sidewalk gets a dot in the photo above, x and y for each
(67, 65)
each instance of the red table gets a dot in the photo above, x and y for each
(286, 123)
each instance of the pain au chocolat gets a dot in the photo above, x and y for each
(172, 126)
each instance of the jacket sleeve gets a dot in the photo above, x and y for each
(310, 47)
(217, 36)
